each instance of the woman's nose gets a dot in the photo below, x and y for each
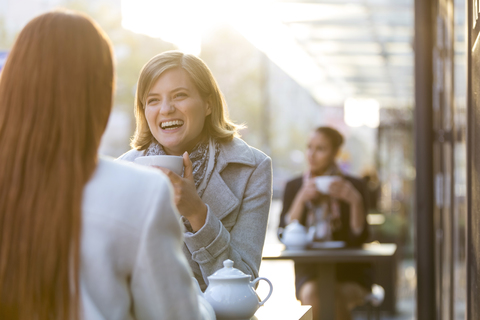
(167, 107)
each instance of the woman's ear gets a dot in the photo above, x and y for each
(208, 105)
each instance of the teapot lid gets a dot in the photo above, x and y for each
(228, 272)
(295, 226)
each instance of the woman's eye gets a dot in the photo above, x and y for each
(180, 95)
(151, 101)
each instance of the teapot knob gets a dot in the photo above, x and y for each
(228, 263)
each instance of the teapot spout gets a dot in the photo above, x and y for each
(197, 287)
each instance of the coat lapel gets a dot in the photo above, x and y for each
(236, 151)
(218, 195)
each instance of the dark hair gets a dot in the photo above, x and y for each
(335, 137)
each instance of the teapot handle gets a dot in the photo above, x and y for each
(269, 294)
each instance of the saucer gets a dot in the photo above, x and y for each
(327, 245)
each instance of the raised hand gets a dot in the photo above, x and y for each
(308, 191)
(187, 200)
(343, 190)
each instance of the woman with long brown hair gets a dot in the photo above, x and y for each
(80, 236)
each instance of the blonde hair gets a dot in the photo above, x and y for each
(55, 99)
(217, 124)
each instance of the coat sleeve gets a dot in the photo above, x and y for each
(213, 243)
(161, 283)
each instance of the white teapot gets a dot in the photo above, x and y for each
(295, 236)
(231, 293)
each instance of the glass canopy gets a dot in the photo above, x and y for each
(364, 47)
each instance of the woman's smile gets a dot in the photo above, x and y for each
(171, 125)
(176, 111)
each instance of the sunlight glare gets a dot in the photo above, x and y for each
(359, 112)
(178, 22)
(182, 22)
(266, 32)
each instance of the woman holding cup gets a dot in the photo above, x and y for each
(333, 206)
(224, 194)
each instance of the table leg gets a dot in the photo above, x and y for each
(326, 288)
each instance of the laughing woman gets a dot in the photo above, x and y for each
(225, 193)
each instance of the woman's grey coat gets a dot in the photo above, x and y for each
(238, 198)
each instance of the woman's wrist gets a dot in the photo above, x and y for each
(355, 198)
(297, 208)
(301, 199)
(197, 220)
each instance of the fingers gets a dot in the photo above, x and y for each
(309, 192)
(187, 163)
(309, 185)
(174, 178)
(341, 189)
(336, 189)
(337, 183)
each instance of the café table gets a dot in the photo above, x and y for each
(326, 259)
(269, 312)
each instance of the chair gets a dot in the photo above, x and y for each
(374, 300)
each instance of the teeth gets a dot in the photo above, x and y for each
(171, 123)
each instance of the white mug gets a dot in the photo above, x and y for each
(173, 163)
(323, 183)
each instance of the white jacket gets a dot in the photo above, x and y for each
(132, 265)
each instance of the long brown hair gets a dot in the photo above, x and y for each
(55, 99)
(217, 125)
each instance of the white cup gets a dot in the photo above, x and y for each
(173, 163)
(323, 183)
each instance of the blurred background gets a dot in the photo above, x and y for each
(286, 67)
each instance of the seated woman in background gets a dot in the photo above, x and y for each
(339, 215)
(225, 193)
(81, 237)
